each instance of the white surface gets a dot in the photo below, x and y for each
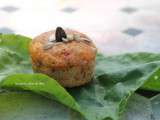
(102, 20)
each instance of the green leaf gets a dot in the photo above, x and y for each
(155, 102)
(117, 77)
(138, 108)
(153, 83)
(40, 84)
(105, 98)
(14, 56)
(15, 43)
(141, 108)
(15, 70)
(28, 106)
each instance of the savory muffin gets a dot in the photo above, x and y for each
(67, 56)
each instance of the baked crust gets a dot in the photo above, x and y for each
(70, 63)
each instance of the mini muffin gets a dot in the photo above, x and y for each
(67, 56)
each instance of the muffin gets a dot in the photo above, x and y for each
(66, 55)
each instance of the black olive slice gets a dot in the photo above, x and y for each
(60, 34)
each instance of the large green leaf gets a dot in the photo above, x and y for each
(14, 55)
(16, 44)
(138, 108)
(116, 79)
(154, 82)
(40, 84)
(27, 106)
(14, 59)
(155, 102)
(142, 108)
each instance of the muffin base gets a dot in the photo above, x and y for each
(71, 77)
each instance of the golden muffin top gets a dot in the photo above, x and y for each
(59, 49)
